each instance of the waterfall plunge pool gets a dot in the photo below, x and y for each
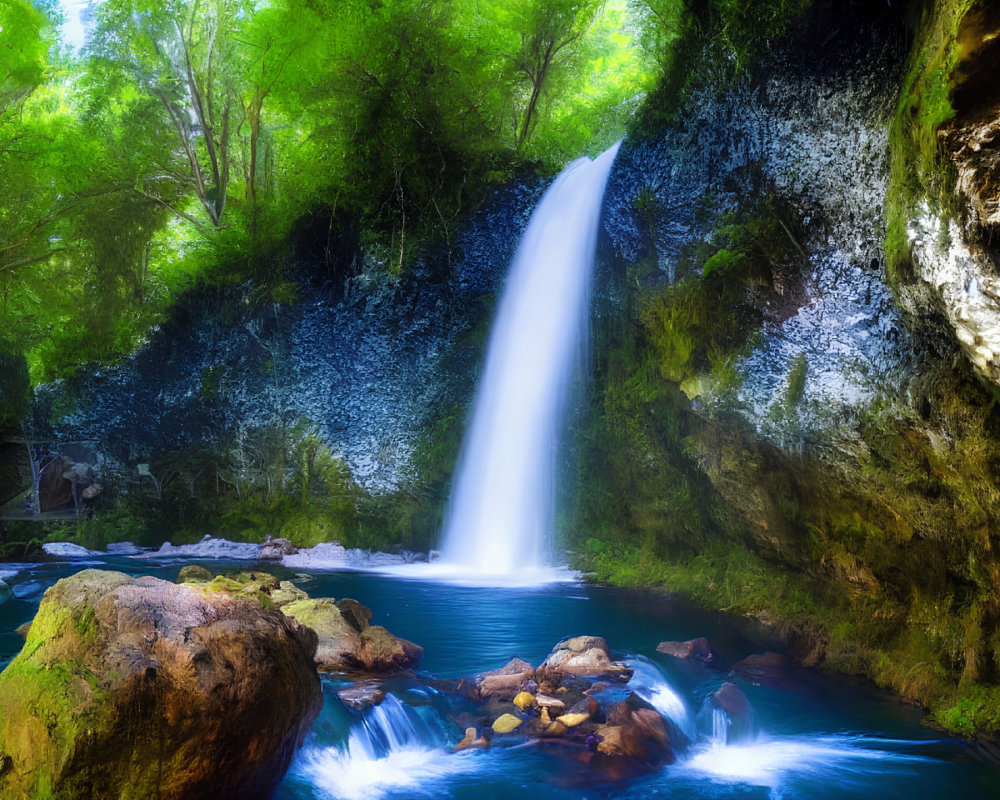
(816, 738)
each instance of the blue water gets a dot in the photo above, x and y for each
(815, 737)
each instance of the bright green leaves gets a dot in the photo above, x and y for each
(25, 37)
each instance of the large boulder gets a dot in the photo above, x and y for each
(138, 687)
(584, 655)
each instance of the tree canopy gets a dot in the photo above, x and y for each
(186, 137)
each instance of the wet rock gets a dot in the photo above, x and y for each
(731, 701)
(143, 688)
(360, 696)
(471, 740)
(357, 615)
(697, 649)
(277, 549)
(506, 723)
(22, 630)
(524, 700)
(287, 593)
(553, 704)
(339, 642)
(765, 669)
(506, 681)
(573, 719)
(584, 655)
(192, 573)
(380, 651)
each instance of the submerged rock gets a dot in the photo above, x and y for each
(361, 696)
(138, 687)
(698, 649)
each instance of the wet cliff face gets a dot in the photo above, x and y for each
(832, 461)
(370, 362)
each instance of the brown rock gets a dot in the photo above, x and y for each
(553, 704)
(698, 649)
(357, 615)
(764, 669)
(165, 691)
(339, 643)
(380, 651)
(471, 740)
(584, 655)
(506, 681)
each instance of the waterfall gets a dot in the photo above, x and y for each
(500, 517)
(391, 748)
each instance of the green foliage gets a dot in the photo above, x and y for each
(918, 171)
(15, 388)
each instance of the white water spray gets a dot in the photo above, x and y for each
(500, 517)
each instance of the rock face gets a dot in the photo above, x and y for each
(137, 687)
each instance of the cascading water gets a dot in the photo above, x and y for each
(391, 748)
(500, 517)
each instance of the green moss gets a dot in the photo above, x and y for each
(918, 170)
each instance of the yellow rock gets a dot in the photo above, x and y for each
(545, 718)
(572, 720)
(524, 700)
(506, 723)
(555, 729)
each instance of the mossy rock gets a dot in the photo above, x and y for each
(130, 688)
(339, 642)
(193, 573)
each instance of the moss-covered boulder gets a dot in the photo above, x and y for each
(339, 642)
(137, 687)
(346, 639)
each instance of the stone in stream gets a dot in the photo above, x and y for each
(696, 649)
(192, 573)
(471, 740)
(731, 700)
(138, 687)
(357, 615)
(585, 655)
(506, 723)
(361, 696)
(507, 681)
(766, 669)
(380, 651)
